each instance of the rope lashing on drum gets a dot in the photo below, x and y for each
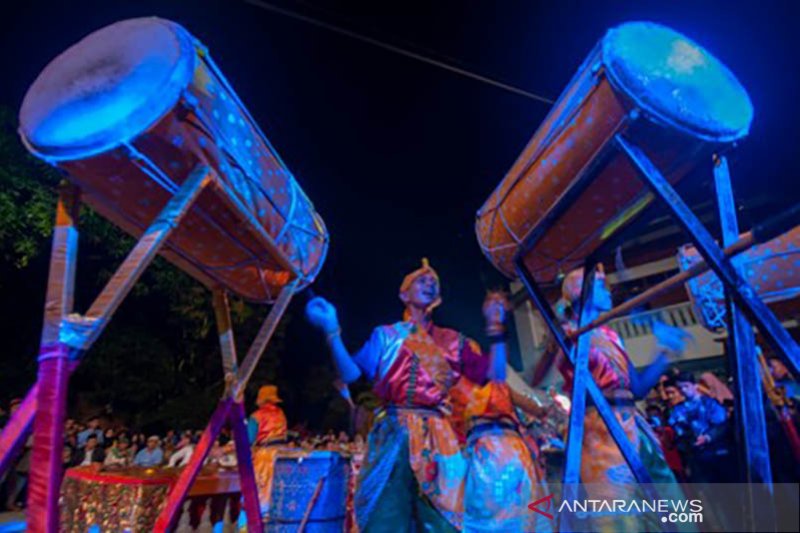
(398, 50)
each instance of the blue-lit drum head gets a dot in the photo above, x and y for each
(107, 88)
(676, 81)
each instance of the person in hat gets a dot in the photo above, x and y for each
(413, 473)
(267, 429)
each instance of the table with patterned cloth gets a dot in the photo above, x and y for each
(130, 499)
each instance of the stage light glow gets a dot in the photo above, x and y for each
(126, 89)
(677, 81)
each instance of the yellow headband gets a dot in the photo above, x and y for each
(426, 268)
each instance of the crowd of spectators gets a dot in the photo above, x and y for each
(99, 442)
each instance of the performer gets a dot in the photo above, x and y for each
(266, 428)
(503, 475)
(610, 367)
(413, 472)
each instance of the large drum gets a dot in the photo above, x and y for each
(129, 111)
(572, 187)
(772, 269)
(313, 484)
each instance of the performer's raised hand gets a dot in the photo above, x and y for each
(322, 314)
(495, 307)
(671, 340)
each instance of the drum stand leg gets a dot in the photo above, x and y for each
(751, 430)
(230, 410)
(17, 430)
(583, 384)
(49, 403)
(247, 477)
(741, 292)
(65, 338)
(741, 300)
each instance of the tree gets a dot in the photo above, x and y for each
(158, 362)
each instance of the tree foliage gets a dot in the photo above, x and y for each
(158, 362)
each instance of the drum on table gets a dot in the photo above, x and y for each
(129, 111)
(572, 187)
(772, 269)
(311, 486)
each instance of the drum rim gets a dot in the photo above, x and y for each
(179, 79)
(659, 115)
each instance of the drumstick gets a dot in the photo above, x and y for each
(761, 233)
(311, 503)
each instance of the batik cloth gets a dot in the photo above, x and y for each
(412, 369)
(503, 476)
(602, 462)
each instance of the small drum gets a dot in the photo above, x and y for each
(772, 269)
(572, 187)
(298, 476)
(129, 111)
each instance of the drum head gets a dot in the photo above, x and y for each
(676, 81)
(107, 88)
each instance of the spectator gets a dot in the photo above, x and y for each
(666, 436)
(183, 453)
(91, 452)
(170, 439)
(119, 455)
(152, 455)
(93, 428)
(701, 431)
(672, 393)
(783, 378)
(228, 457)
(109, 437)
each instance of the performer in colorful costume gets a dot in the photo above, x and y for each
(413, 473)
(621, 384)
(503, 476)
(267, 431)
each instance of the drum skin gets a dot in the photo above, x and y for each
(296, 476)
(772, 269)
(129, 111)
(571, 187)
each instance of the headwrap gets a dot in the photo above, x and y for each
(424, 269)
(268, 394)
(573, 283)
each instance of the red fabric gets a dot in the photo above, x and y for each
(48, 440)
(89, 474)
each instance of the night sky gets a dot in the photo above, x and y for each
(398, 155)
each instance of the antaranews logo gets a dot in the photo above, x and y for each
(671, 511)
(544, 502)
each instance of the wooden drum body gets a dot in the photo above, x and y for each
(312, 485)
(772, 269)
(572, 187)
(129, 111)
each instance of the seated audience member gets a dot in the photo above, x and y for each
(151, 455)
(91, 452)
(119, 455)
(92, 428)
(184, 452)
(228, 457)
(701, 434)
